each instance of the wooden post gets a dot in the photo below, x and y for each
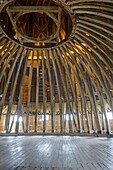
(37, 92)
(44, 93)
(52, 95)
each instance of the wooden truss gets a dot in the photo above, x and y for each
(49, 11)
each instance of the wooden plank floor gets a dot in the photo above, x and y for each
(56, 153)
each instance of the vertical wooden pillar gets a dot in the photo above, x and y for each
(52, 95)
(37, 92)
(8, 116)
(44, 92)
(29, 90)
(19, 106)
(58, 87)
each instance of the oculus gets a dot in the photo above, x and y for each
(36, 24)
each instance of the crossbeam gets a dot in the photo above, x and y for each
(34, 9)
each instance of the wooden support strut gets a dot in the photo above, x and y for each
(37, 92)
(44, 93)
(52, 95)
(52, 54)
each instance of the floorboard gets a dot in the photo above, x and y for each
(56, 153)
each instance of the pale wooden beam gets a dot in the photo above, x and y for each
(91, 97)
(19, 106)
(10, 73)
(37, 91)
(64, 86)
(10, 46)
(29, 91)
(52, 54)
(44, 92)
(51, 93)
(74, 92)
(77, 77)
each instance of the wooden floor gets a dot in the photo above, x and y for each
(56, 153)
